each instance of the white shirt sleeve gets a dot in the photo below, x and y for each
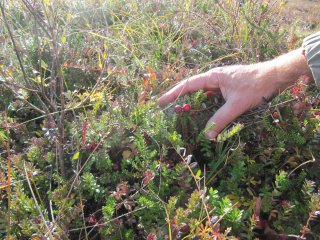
(311, 45)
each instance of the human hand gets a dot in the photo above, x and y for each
(242, 86)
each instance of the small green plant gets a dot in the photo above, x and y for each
(87, 153)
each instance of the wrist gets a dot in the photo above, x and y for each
(290, 67)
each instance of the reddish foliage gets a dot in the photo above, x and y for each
(143, 97)
(299, 107)
(148, 176)
(84, 132)
(284, 203)
(122, 189)
(292, 42)
(151, 236)
(92, 219)
(92, 147)
(147, 139)
(295, 91)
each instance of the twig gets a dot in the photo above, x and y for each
(310, 161)
(20, 86)
(36, 202)
(14, 45)
(198, 187)
(105, 223)
(18, 56)
(36, 17)
(25, 101)
(9, 176)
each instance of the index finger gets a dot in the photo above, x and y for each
(207, 80)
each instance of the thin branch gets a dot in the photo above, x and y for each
(36, 202)
(106, 223)
(6, 83)
(25, 101)
(14, 45)
(18, 56)
(36, 17)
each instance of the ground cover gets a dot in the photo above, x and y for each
(86, 153)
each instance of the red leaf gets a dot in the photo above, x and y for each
(295, 91)
(92, 219)
(148, 176)
(151, 236)
(299, 107)
(84, 132)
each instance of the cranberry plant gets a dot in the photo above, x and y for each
(86, 152)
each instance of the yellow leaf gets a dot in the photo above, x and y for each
(43, 64)
(10, 71)
(46, 2)
(35, 238)
(76, 156)
(96, 97)
(63, 39)
(3, 187)
(100, 62)
(198, 174)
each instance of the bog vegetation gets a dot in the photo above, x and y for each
(86, 153)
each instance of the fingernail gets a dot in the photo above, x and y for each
(212, 135)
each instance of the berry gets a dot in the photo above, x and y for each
(186, 107)
(178, 109)
(275, 115)
(94, 146)
(209, 93)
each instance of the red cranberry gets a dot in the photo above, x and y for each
(275, 115)
(209, 93)
(178, 109)
(186, 107)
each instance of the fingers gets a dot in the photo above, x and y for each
(202, 81)
(225, 115)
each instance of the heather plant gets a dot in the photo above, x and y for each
(86, 152)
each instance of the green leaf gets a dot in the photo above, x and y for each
(76, 156)
(3, 136)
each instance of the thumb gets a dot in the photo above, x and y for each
(225, 115)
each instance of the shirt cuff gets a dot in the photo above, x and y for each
(311, 45)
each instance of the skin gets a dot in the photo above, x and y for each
(243, 87)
